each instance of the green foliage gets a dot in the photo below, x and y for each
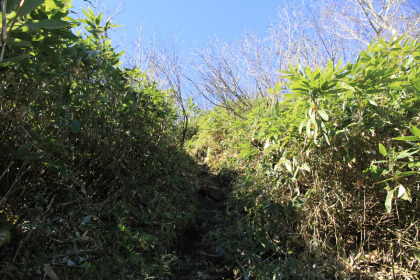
(5, 234)
(33, 24)
(323, 167)
(398, 166)
(88, 160)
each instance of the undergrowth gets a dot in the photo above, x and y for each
(95, 185)
(93, 182)
(330, 173)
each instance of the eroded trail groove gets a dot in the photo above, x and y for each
(198, 256)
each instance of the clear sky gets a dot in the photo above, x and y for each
(194, 21)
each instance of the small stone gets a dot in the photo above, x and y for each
(210, 189)
(216, 194)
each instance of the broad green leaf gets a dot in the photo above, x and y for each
(298, 203)
(395, 86)
(17, 42)
(405, 154)
(374, 170)
(386, 170)
(25, 146)
(47, 23)
(309, 73)
(125, 229)
(98, 19)
(346, 86)
(388, 201)
(302, 124)
(287, 164)
(397, 41)
(299, 89)
(29, 6)
(12, 5)
(279, 86)
(51, 5)
(272, 91)
(13, 60)
(405, 174)
(305, 166)
(414, 164)
(417, 84)
(415, 131)
(403, 193)
(407, 138)
(323, 115)
(382, 149)
(372, 102)
(292, 95)
(75, 126)
(417, 254)
(383, 43)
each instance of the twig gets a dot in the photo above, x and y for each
(3, 29)
(4, 36)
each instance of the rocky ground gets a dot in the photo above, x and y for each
(198, 256)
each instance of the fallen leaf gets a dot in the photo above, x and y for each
(85, 237)
(50, 272)
(360, 182)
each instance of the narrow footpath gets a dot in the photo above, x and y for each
(198, 255)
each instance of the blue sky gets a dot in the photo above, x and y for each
(194, 21)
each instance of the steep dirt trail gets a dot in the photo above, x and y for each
(198, 256)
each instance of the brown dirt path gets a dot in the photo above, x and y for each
(198, 257)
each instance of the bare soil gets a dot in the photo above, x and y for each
(198, 257)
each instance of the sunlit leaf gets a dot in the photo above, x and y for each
(406, 153)
(415, 131)
(401, 191)
(407, 138)
(388, 201)
(382, 149)
(305, 167)
(323, 115)
(272, 91)
(383, 43)
(404, 193)
(417, 84)
(288, 165)
(29, 6)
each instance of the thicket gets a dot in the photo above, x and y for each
(330, 172)
(93, 181)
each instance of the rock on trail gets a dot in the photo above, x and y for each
(198, 258)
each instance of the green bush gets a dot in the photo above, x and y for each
(333, 156)
(91, 178)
